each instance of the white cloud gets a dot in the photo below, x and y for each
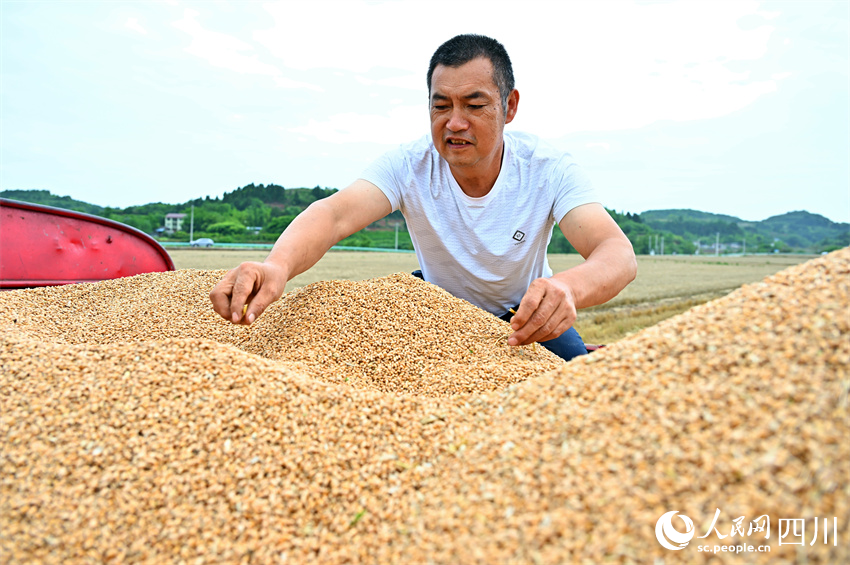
(284, 82)
(400, 124)
(133, 23)
(608, 65)
(619, 65)
(231, 53)
(352, 35)
(408, 81)
(220, 49)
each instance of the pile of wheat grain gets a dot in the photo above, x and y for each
(395, 333)
(382, 421)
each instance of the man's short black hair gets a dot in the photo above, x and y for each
(461, 49)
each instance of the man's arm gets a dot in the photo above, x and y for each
(548, 308)
(299, 247)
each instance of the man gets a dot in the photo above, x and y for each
(480, 206)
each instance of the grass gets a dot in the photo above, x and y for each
(665, 286)
(613, 324)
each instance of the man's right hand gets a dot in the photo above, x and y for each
(299, 247)
(251, 283)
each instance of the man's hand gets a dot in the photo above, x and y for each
(547, 310)
(299, 247)
(251, 283)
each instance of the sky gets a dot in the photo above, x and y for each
(731, 107)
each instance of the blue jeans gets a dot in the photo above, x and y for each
(566, 346)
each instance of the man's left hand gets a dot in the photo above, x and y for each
(547, 310)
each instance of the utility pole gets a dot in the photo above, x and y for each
(192, 225)
(662, 245)
(717, 245)
(396, 235)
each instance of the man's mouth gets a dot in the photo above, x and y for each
(458, 142)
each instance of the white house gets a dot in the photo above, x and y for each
(173, 222)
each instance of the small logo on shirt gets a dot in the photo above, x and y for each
(519, 236)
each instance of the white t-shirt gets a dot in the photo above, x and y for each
(485, 250)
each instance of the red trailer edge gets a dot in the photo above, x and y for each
(46, 246)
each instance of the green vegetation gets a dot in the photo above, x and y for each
(258, 213)
(45, 198)
(798, 231)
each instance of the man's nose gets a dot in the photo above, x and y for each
(457, 121)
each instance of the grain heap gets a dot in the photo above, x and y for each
(395, 333)
(162, 447)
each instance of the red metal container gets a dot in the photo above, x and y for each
(46, 246)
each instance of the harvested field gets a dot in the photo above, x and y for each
(334, 265)
(665, 286)
(356, 425)
(659, 277)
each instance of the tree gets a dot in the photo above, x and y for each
(226, 228)
(277, 225)
(257, 215)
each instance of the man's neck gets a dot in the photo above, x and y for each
(479, 183)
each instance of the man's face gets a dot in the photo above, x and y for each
(467, 117)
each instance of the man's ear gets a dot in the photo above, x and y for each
(513, 103)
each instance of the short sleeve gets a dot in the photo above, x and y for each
(384, 173)
(572, 187)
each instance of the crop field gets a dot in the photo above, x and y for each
(665, 285)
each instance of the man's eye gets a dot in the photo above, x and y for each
(476, 106)
(440, 107)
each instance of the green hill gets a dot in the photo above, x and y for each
(793, 231)
(685, 214)
(803, 229)
(45, 198)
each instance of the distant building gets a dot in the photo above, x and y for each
(173, 223)
(703, 248)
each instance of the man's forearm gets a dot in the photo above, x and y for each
(310, 235)
(605, 273)
(324, 223)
